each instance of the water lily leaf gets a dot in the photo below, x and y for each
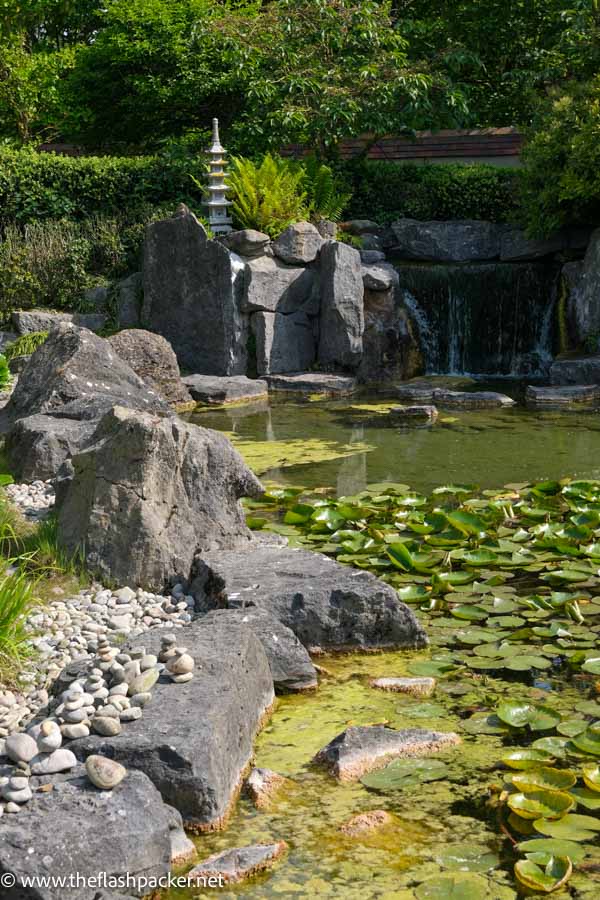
(526, 759)
(589, 740)
(298, 514)
(467, 858)
(413, 592)
(547, 878)
(554, 745)
(572, 827)
(591, 776)
(520, 715)
(401, 556)
(255, 523)
(589, 799)
(554, 847)
(453, 886)
(483, 723)
(572, 727)
(544, 778)
(471, 613)
(524, 663)
(592, 665)
(402, 773)
(480, 558)
(466, 522)
(541, 804)
(521, 826)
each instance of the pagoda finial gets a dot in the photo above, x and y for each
(216, 144)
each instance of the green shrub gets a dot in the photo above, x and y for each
(25, 345)
(561, 177)
(386, 191)
(16, 598)
(5, 377)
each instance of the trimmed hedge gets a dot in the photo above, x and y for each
(387, 191)
(36, 186)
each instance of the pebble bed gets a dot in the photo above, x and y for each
(72, 628)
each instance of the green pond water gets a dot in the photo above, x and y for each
(446, 827)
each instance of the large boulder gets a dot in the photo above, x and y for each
(299, 244)
(379, 277)
(128, 294)
(515, 246)
(391, 348)
(458, 241)
(33, 320)
(342, 319)
(148, 494)
(191, 295)
(69, 383)
(575, 370)
(290, 664)
(284, 343)
(582, 293)
(324, 603)
(152, 358)
(215, 390)
(75, 832)
(195, 740)
(271, 286)
(248, 242)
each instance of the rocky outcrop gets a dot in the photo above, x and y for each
(458, 241)
(32, 320)
(291, 666)
(390, 343)
(307, 383)
(575, 370)
(77, 830)
(515, 246)
(247, 242)
(322, 602)
(148, 494)
(562, 396)
(271, 286)
(342, 318)
(192, 295)
(69, 383)
(215, 391)
(582, 304)
(379, 277)
(283, 343)
(195, 740)
(152, 358)
(361, 749)
(299, 244)
(128, 295)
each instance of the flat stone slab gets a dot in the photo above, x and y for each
(562, 396)
(413, 414)
(238, 864)
(576, 370)
(416, 687)
(216, 390)
(324, 603)
(362, 749)
(195, 740)
(472, 399)
(291, 666)
(76, 829)
(313, 383)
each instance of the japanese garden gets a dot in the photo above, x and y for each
(299, 449)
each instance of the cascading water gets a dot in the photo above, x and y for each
(485, 318)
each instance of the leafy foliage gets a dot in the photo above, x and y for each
(5, 377)
(25, 345)
(266, 196)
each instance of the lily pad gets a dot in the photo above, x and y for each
(403, 773)
(589, 740)
(545, 778)
(526, 759)
(541, 804)
(589, 799)
(468, 858)
(453, 886)
(545, 878)
(521, 715)
(554, 847)
(572, 827)
(591, 776)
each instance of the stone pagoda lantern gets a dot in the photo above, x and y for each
(218, 204)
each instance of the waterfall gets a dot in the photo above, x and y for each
(484, 318)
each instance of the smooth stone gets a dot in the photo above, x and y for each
(118, 690)
(308, 383)
(18, 784)
(235, 865)
(214, 390)
(75, 717)
(148, 662)
(180, 665)
(417, 687)
(141, 699)
(361, 749)
(23, 795)
(110, 712)
(143, 682)
(130, 715)
(105, 726)
(60, 761)
(104, 773)
(21, 747)
(182, 679)
(72, 732)
(410, 414)
(50, 738)
(12, 807)
(131, 670)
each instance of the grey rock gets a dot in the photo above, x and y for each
(237, 864)
(191, 296)
(247, 242)
(290, 664)
(28, 321)
(372, 242)
(342, 319)
(20, 747)
(106, 726)
(299, 244)
(78, 830)
(391, 346)
(213, 390)
(416, 687)
(410, 414)
(37, 446)
(575, 370)
(149, 494)
(370, 257)
(93, 321)
(182, 848)
(515, 246)
(323, 602)
(96, 297)
(51, 763)
(271, 286)
(327, 229)
(361, 226)
(152, 358)
(312, 383)
(128, 298)
(457, 241)
(471, 399)
(379, 277)
(562, 396)
(582, 282)
(104, 773)
(283, 343)
(361, 749)
(195, 739)
(262, 784)
(7, 337)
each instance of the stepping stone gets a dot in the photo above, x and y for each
(364, 823)
(291, 666)
(361, 749)
(312, 383)
(472, 399)
(238, 864)
(262, 784)
(196, 739)
(324, 603)
(576, 370)
(84, 831)
(216, 391)
(411, 415)
(562, 396)
(417, 687)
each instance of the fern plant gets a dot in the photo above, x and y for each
(25, 345)
(269, 196)
(4, 373)
(324, 197)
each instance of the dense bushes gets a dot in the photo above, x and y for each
(385, 191)
(561, 178)
(36, 186)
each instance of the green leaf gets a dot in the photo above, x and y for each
(589, 740)
(526, 759)
(466, 522)
(521, 715)
(402, 773)
(554, 847)
(453, 886)
(571, 827)
(552, 876)
(544, 778)
(541, 804)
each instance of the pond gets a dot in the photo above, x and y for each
(506, 582)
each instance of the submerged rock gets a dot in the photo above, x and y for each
(214, 390)
(364, 823)
(78, 830)
(361, 749)
(562, 396)
(262, 784)
(324, 603)
(195, 740)
(417, 687)
(233, 866)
